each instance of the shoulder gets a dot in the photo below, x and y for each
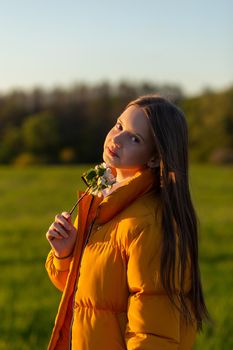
(147, 207)
(143, 215)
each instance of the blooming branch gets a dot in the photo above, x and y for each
(96, 179)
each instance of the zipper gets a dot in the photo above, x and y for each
(77, 276)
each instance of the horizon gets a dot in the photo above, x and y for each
(48, 89)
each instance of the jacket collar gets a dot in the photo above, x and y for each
(142, 182)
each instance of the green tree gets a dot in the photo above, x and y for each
(11, 144)
(41, 134)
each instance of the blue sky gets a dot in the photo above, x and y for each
(62, 42)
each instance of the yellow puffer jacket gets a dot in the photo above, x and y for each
(112, 296)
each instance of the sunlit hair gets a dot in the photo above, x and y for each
(171, 138)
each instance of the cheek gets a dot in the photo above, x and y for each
(139, 153)
(112, 132)
(108, 136)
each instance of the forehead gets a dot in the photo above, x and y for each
(136, 120)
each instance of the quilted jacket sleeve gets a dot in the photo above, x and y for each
(58, 269)
(153, 322)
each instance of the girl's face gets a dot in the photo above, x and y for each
(129, 145)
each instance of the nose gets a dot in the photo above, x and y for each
(116, 140)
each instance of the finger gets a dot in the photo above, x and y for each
(63, 221)
(60, 229)
(51, 234)
(66, 215)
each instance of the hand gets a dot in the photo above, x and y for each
(62, 235)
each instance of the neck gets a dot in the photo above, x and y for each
(123, 174)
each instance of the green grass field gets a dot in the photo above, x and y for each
(30, 198)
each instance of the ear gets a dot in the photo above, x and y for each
(153, 162)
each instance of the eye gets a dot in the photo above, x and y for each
(118, 126)
(135, 139)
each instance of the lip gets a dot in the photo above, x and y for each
(112, 153)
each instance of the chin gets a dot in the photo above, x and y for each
(109, 160)
(105, 158)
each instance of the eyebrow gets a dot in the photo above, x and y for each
(118, 119)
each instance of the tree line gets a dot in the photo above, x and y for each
(69, 125)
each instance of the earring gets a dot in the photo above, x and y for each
(161, 166)
(171, 174)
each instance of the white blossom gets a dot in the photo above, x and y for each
(98, 182)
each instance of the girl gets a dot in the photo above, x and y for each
(135, 282)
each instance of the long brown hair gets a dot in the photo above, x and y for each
(170, 131)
